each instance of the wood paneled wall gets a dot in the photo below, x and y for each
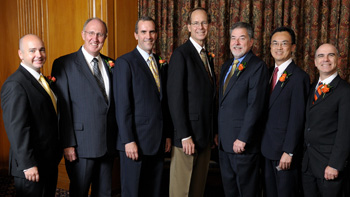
(59, 24)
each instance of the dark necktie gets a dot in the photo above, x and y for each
(205, 62)
(318, 92)
(274, 79)
(230, 75)
(98, 77)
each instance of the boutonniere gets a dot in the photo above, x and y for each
(284, 77)
(50, 79)
(325, 89)
(110, 64)
(162, 62)
(241, 67)
(211, 56)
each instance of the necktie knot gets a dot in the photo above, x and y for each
(235, 62)
(95, 60)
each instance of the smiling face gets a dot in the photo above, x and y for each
(32, 52)
(326, 60)
(94, 36)
(281, 47)
(146, 35)
(198, 26)
(240, 43)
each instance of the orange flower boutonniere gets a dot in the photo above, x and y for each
(162, 62)
(211, 56)
(241, 67)
(50, 79)
(325, 89)
(284, 77)
(110, 64)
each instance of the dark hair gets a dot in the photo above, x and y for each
(244, 25)
(144, 18)
(287, 29)
(95, 18)
(195, 9)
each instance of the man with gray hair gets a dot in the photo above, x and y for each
(87, 121)
(242, 95)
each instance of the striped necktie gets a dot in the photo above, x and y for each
(154, 71)
(318, 92)
(230, 75)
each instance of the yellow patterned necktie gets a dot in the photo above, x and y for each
(48, 90)
(205, 62)
(154, 71)
(230, 75)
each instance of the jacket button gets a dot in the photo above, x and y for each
(308, 129)
(308, 144)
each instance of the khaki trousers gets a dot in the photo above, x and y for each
(188, 173)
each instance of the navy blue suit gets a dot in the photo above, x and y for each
(327, 138)
(240, 110)
(141, 113)
(283, 131)
(86, 122)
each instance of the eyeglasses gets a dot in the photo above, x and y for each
(92, 33)
(277, 44)
(197, 24)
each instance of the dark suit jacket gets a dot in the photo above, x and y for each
(140, 107)
(30, 122)
(327, 126)
(191, 96)
(86, 121)
(242, 104)
(286, 115)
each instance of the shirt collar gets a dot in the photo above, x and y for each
(196, 45)
(143, 53)
(33, 72)
(284, 65)
(89, 57)
(328, 80)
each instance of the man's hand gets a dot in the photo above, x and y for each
(330, 173)
(216, 139)
(167, 145)
(69, 154)
(32, 174)
(131, 151)
(188, 146)
(285, 161)
(238, 146)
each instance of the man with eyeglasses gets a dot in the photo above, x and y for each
(87, 122)
(191, 98)
(282, 139)
(242, 93)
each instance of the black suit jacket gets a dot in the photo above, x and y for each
(242, 104)
(30, 122)
(327, 126)
(141, 110)
(86, 121)
(286, 115)
(191, 96)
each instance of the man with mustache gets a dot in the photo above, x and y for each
(191, 95)
(87, 121)
(326, 135)
(142, 114)
(242, 95)
(30, 119)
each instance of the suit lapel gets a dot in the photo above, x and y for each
(278, 89)
(144, 67)
(234, 78)
(323, 97)
(85, 69)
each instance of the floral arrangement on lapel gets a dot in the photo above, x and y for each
(162, 62)
(241, 67)
(284, 77)
(110, 64)
(325, 88)
(211, 56)
(50, 79)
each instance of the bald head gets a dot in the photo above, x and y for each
(326, 60)
(32, 51)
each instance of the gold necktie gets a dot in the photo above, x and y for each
(48, 90)
(230, 75)
(154, 71)
(205, 62)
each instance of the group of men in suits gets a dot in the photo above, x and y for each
(152, 102)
